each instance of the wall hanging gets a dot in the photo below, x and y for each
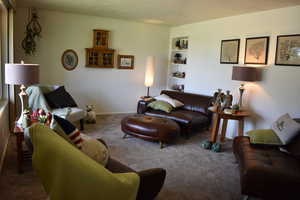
(69, 59)
(288, 50)
(100, 56)
(33, 31)
(257, 50)
(230, 51)
(125, 62)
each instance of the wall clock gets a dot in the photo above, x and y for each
(69, 59)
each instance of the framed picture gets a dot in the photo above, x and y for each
(69, 59)
(256, 51)
(125, 62)
(230, 51)
(288, 50)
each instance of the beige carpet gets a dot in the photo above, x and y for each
(192, 172)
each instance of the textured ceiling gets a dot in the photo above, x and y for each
(169, 12)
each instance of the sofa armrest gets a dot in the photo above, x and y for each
(151, 182)
(142, 106)
(115, 166)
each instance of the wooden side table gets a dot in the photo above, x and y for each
(22, 155)
(217, 116)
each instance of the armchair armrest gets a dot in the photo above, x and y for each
(142, 106)
(151, 182)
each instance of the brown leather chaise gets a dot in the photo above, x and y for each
(266, 172)
(193, 115)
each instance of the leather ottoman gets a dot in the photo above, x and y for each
(151, 128)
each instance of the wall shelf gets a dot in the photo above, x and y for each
(178, 61)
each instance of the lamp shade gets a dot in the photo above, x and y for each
(249, 74)
(21, 74)
(149, 75)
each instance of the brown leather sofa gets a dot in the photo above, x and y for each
(193, 115)
(266, 172)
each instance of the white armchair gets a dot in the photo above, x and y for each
(38, 100)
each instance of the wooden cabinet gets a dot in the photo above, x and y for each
(100, 58)
(101, 39)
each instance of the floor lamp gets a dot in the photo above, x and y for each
(22, 74)
(149, 75)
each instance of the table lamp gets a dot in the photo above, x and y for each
(22, 74)
(149, 75)
(246, 74)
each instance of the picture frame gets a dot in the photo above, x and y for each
(256, 50)
(230, 50)
(69, 59)
(288, 50)
(125, 62)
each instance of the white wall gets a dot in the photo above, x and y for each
(110, 90)
(277, 94)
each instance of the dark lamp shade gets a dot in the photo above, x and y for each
(21, 74)
(249, 74)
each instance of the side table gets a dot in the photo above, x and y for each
(22, 155)
(217, 116)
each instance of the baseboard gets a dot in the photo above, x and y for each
(115, 113)
(3, 154)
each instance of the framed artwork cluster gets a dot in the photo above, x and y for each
(257, 49)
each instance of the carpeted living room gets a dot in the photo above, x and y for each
(138, 99)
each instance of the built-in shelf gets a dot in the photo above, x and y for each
(177, 78)
(178, 61)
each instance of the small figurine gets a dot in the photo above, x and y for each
(90, 114)
(228, 99)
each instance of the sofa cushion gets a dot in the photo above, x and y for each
(161, 105)
(286, 128)
(264, 136)
(192, 102)
(175, 103)
(182, 116)
(68, 131)
(95, 149)
(60, 98)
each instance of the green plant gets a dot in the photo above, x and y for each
(236, 107)
(43, 119)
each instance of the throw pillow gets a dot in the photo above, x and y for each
(60, 98)
(161, 105)
(264, 136)
(68, 131)
(286, 128)
(95, 150)
(175, 103)
(293, 148)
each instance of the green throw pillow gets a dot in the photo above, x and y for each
(161, 105)
(264, 136)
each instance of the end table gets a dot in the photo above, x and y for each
(21, 154)
(217, 116)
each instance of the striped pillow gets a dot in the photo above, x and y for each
(69, 130)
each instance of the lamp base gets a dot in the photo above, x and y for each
(24, 103)
(242, 89)
(148, 88)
